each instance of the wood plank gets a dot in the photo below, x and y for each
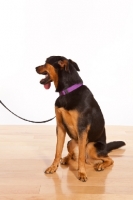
(26, 151)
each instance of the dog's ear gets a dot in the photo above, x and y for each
(74, 64)
(64, 64)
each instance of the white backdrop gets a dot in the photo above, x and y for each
(97, 34)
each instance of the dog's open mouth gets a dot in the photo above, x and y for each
(46, 81)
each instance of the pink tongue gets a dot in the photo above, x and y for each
(47, 86)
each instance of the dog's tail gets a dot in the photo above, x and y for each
(114, 145)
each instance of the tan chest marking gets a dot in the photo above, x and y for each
(70, 118)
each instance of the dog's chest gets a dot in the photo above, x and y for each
(70, 121)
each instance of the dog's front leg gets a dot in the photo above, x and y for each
(82, 176)
(61, 133)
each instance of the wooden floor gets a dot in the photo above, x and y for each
(26, 151)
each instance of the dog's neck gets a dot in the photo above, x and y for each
(70, 89)
(66, 80)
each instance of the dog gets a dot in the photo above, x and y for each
(77, 114)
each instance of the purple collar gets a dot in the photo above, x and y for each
(70, 89)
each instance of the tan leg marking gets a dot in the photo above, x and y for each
(61, 133)
(82, 155)
(106, 161)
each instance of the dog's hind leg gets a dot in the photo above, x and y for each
(73, 152)
(101, 156)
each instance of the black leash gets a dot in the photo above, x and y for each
(26, 119)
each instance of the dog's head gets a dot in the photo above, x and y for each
(57, 69)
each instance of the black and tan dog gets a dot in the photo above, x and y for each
(78, 114)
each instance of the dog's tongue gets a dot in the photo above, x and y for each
(47, 86)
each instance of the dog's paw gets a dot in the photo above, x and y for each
(51, 169)
(64, 161)
(99, 166)
(82, 176)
